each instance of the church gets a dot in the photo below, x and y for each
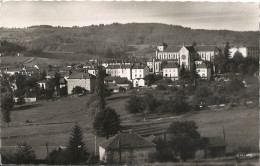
(181, 56)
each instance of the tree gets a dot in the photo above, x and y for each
(185, 139)
(20, 100)
(238, 58)
(226, 51)
(20, 83)
(193, 74)
(242, 68)
(182, 72)
(43, 75)
(150, 102)
(134, 105)
(78, 90)
(76, 147)
(235, 86)
(106, 123)
(96, 103)
(7, 103)
(25, 154)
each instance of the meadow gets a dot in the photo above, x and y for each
(51, 122)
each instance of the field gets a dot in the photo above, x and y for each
(52, 121)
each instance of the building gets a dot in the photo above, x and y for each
(115, 62)
(139, 71)
(242, 50)
(130, 147)
(93, 70)
(138, 82)
(207, 53)
(171, 71)
(180, 55)
(216, 147)
(120, 71)
(203, 71)
(84, 80)
(41, 84)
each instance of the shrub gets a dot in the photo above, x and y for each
(78, 90)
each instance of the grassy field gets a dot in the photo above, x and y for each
(52, 121)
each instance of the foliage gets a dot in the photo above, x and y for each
(150, 102)
(78, 90)
(20, 100)
(7, 103)
(9, 48)
(25, 154)
(235, 86)
(185, 139)
(76, 147)
(152, 78)
(106, 123)
(134, 105)
(163, 152)
(161, 87)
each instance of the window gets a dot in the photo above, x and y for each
(135, 75)
(165, 75)
(140, 76)
(165, 70)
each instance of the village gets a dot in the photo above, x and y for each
(218, 80)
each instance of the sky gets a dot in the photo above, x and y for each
(236, 16)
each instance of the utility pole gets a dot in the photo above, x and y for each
(95, 145)
(47, 149)
(119, 145)
(224, 135)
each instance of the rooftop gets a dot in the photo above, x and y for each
(127, 141)
(170, 65)
(78, 75)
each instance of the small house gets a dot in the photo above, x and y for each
(129, 147)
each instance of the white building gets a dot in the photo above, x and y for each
(84, 80)
(242, 50)
(203, 71)
(138, 82)
(139, 71)
(120, 71)
(171, 71)
(207, 53)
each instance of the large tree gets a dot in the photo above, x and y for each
(76, 147)
(25, 154)
(7, 103)
(106, 123)
(97, 101)
(185, 139)
(134, 105)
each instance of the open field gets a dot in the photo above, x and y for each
(52, 121)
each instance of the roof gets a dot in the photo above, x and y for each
(119, 66)
(113, 87)
(190, 48)
(127, 141)
(110, 78)
(78, 75)
(64, 74)
(216, 141)
(41, 81)
(139, 67)
(172, 49)
(121, 80)
(202, 66)
(170, 65)
(62, 81)
(206, 48)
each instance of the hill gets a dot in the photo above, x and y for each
(97, 39)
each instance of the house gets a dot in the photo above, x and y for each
(203, 71)
(50, 74)
(130, 147)
(84, 80)
(114, 89)
(139, 71)
(93, 70)
(110, 80)
(120, 71)
(138, 82)
(207, 53)
(242, 50)
(41, 84)
(11, 71)
(62, 82)
(171, 71)
(115, 62)
(122, 82)
(216, 147)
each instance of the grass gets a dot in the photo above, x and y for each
(52, 122)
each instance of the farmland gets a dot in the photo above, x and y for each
(52, 121)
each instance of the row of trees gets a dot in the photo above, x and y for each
(149, 104)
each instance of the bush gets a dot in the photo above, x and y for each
(161, 87)
(78, 90)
